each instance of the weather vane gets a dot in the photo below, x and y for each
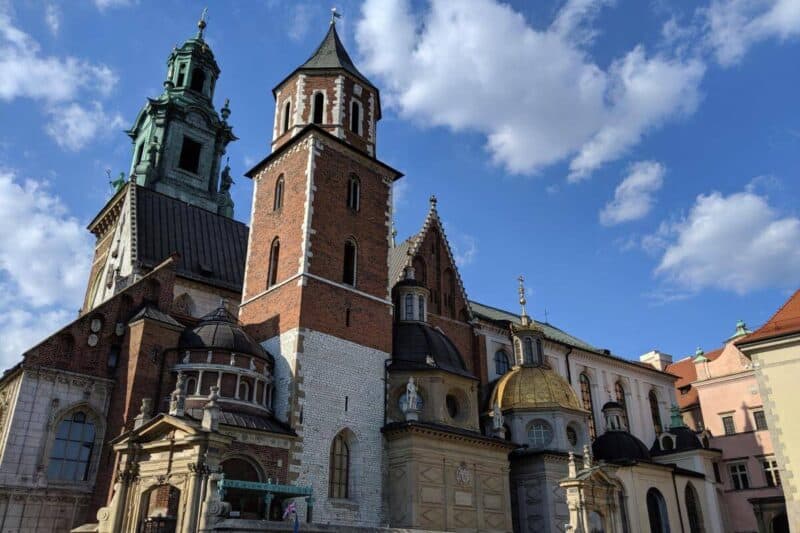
(335, 15)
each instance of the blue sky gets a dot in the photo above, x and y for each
(638, 162)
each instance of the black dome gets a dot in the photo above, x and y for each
(221, 330)
(685, 439)
(619, 447)
(415, 341)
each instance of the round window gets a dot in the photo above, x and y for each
(540, 434)
(452, 405)
(572, 436)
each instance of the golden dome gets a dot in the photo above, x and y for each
(533, 387)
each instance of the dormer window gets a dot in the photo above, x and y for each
(198, 80)
(190, 155)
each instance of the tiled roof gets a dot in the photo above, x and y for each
(331, 54)
(398, 256)
(247, 421)
(550, 331)
(212, 247)
(686, 372)
(785, 321)
(153, 313)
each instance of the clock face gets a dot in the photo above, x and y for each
(95, 325)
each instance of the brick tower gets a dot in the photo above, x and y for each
(316, 279)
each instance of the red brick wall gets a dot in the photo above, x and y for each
(267, 457)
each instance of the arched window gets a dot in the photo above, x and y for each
(500, 362)
(319, 108)
(619, 392)
(409, 307)
(693, 510)
(421, 304)
(539, 352)
(191, 387)
(586, 398)
(72, 448)
(287, 111)
(248, 503)
(657, 512)
(354, 193)
(277, 202)
(355, 117)
(198, 80)
(274, 255)
(654, 412)
(350, 259)
(527, 352)
(181, 75)
(244, 391)
(339, 468)
(596, 522)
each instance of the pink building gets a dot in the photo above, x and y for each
(718, 392)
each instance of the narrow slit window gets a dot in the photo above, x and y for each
(319, 108)
(355, 117)
(274, 253)
(287, 110)
(353, 193)
(409, 307)
(278, 201)
(349, 275)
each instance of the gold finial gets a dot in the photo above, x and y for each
(522, 301)
(334, 15)
(201, 24)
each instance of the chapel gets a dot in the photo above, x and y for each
(221, 373)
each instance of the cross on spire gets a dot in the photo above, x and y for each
(201, 24)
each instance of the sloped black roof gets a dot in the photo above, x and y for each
(619, 447)
(415, 341)
(220, 330)
(331, 54)
(212, 247)
(685, 439)
(245, 420)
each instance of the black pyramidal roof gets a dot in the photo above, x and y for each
(331, 54)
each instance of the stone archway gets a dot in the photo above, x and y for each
(244, 503)
(159, 509)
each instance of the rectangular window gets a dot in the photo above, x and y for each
(739, 477)
(771, 472)
(761, 420)
(717, 477)
(727, 423)
(190, 155)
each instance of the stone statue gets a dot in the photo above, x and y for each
(225, 179)
(177, 401)
(411, 395)
(587, 456)
(497, 417)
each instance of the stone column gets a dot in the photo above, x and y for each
(193, 497)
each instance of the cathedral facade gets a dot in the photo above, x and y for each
(220, 374)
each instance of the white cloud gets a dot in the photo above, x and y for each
(735, 25)
(465, 249)
(399, 194)
(633, 197)
(737, 243)
(44, 264)
(301, 16)
(26, 73)
(477, 65)
(52, 17)
(102, 5)
(73, 126)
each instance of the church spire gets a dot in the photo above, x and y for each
(524, 318)
(179, 138)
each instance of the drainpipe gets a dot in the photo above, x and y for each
(678, 502)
